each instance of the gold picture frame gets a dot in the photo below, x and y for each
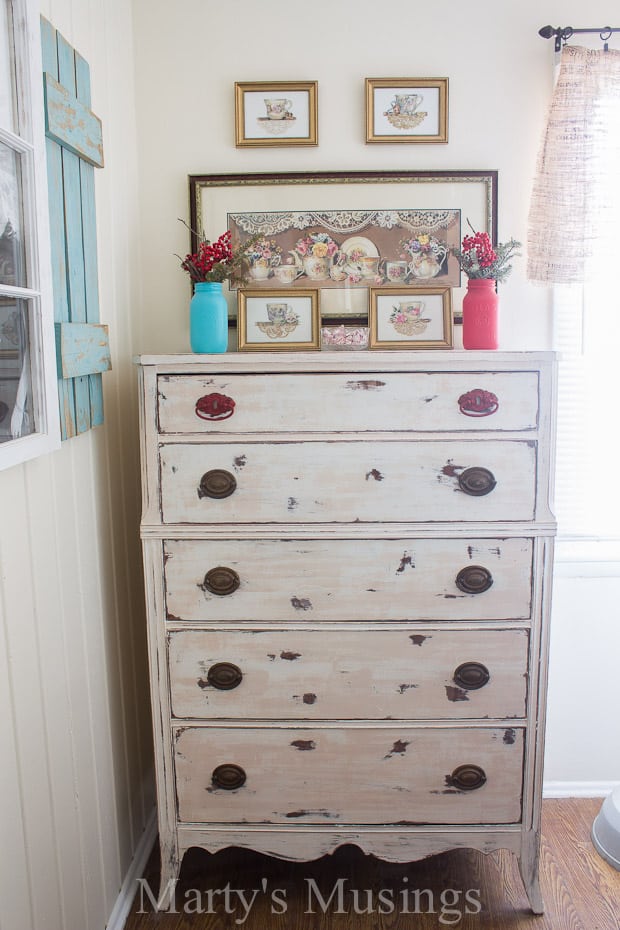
(289, 319)
(407, 110)
(404, 318)
(276, 113)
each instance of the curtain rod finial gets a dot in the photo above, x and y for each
(546, 32)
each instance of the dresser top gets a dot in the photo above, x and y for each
(342, 360)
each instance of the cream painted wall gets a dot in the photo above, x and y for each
(75, 744)
(186, 65)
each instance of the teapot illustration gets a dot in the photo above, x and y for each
(428, 264)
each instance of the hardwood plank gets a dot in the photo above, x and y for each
(73, 231)
(82, 348)
(581, 891)
(70, 123)
(49, 54)
(89, 235)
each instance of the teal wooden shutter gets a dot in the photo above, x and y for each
(74, 149)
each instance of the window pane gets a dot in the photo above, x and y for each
(8, 115)
(12, 270)
(16, 406)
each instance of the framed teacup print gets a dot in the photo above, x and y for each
(276, 113)
(278, 319)
(406, 109)
(407, 319)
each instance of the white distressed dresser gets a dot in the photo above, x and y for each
(348, 562)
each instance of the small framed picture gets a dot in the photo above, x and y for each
(276, 113)
(406, 109)
(410, 319)
(278, 319)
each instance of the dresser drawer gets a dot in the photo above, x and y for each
(348, 402)
(372, 775)
(348, 675)
(331, 482)
(347, 579)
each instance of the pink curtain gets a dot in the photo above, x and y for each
(575, 206)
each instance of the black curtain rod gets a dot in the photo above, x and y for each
(563, 33)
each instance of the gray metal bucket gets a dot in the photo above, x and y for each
(606, 829)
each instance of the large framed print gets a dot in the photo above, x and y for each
(345, 232)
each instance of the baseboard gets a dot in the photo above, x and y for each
(578, 789)
(122, 907)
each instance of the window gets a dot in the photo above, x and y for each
(28, 390)
(572, 244)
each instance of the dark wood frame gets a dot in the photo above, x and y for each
(300, 180)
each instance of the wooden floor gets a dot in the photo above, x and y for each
(581, 891)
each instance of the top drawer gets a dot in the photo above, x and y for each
(449, 401)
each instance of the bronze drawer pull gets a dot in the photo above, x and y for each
(478, 403)
(215, 407)
(471, 676)
(225, 676)
(474, 579)
(477, 481)
(217, 483)
(221, 580)
(468, 777)
(228, 776)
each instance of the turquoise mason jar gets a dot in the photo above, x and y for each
(208, 318)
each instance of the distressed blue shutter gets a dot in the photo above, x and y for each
(74, 148)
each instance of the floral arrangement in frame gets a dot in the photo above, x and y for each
(278, 319)
(390, 228)
(404, 319)
(276, 113)
(406, 110)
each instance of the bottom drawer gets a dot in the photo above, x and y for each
(365, 774)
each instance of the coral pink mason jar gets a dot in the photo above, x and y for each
(480, 312)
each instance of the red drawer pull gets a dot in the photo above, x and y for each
(478, 403)
(215, 407)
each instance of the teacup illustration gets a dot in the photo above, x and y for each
(396, 271)
(278, 107)
(285, 274)
(406, 104)
(369, 266)
(277, 313)
(407, 318)
(282, 321)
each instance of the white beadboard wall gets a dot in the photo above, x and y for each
(76, 787)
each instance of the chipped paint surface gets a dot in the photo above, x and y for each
(304, 745)
(377, 675)
(405, 562)
(366, 385)
(399, 748)
(301, 603)
(456, 694)
(374, 473)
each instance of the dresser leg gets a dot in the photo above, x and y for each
(170, 868)
(528, 867)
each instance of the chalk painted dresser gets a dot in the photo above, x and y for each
(348, 562)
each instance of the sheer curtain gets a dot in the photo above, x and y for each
(574, 244)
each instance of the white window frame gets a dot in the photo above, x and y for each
(30, 143)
